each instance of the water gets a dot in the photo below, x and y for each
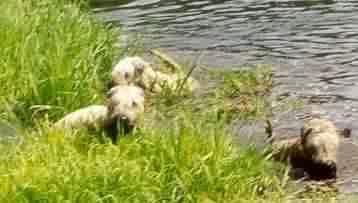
(312, 44)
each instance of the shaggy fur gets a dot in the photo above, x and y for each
(92, 117)
(125, 104)
(133, 70)
(136, 71)
(315, 150)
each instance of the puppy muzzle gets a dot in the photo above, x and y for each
(323, 170)
(124, 125)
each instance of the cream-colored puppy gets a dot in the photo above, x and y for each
(136, 71)
(133, 70)
(125, 105)
(93, 116)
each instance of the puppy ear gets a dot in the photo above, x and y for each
(109, 101)
(109, 84)
(346, 132)
(110, 106)
(305, 133)
(111, 92)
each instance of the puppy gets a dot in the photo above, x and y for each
(136, 71)
(125, 104)
(133, 70)
(314, 151)
(91, 117)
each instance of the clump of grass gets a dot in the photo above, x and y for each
(237, 94)
(188, 162)
(54, 59)
(245, 91)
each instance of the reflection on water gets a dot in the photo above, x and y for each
(313, 44)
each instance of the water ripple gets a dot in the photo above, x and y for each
(312, 44)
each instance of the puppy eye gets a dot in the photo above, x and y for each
(139, 70)
(134, 104)
(126, 75)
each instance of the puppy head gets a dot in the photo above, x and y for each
(127, 70)
(141, 69)
(125, 106)
(320, 139)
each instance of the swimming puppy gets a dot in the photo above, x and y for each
(314, 150)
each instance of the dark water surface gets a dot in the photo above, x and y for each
(312, 44)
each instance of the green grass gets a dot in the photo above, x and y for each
(237, 94)
(55, 58)
(184, 163)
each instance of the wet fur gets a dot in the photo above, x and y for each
(314, 150)
(126, 102)
(94, 117)
(124, 106)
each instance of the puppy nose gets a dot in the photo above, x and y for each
(332, 166)
(123, 118)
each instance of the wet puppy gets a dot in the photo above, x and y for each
(125, 107)
(314, 151)
(92, 117)
(125, 104)
(136, 71)
(133, 70)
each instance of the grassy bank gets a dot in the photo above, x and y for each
(54, 58)
(183, 163)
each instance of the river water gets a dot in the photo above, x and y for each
(312, 45)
